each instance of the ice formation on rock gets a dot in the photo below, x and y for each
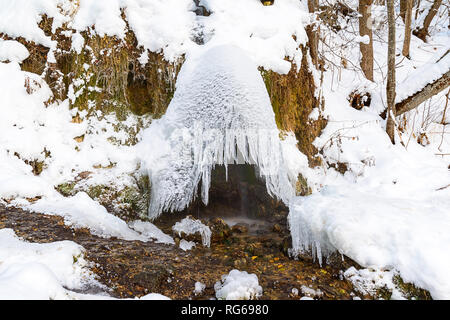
(193, 226)
(220, 114)
(238, 285)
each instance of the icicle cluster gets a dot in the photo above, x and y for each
(220, 114)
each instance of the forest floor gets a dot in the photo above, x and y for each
(135, 268)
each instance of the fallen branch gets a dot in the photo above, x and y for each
(421, 96)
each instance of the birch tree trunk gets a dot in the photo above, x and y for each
(365, 28)
(390, 87)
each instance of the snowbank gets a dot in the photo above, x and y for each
(32, 131)
(12, 51)
(238, 285)
(409, 235)
(151, 21)
(41, 271)
(80, 211)
(150, 231)
(425, 74)
(267, 34)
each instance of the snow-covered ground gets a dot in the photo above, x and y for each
(390, 211)
(41, 271)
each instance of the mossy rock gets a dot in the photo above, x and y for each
(67, 189)
(410, 291)
(302, 188)
(293, 99)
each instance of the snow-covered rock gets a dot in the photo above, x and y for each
(190, 226)
(238, 285)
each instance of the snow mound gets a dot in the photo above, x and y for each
(220, 114)
(12, 51)
(193, 226)
(268, 34)
(238, 285)
(150, 231)
(40, 271)
(80, 211)
(154, 296)
(199, 287)
(408, 235)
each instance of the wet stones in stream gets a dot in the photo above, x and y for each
(135, 268)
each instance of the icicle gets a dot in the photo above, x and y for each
(220, 114)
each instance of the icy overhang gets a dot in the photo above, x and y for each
(220, 114)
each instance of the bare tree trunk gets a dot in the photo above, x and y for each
(365, 28)
(422, 33)
(403, 4)
(408, 16)
(312, 32)
(417, 9)
(390, 87)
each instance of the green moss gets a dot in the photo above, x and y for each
(383, 293)
(302, 188)
(97, 190)
(137, 197)
(66, 189)
(410, 291)
(126, 86)
(293, 99)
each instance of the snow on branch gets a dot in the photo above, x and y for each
(422, 84)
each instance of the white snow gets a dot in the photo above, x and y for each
(238, 285)
(199, 288)
(11, 50)
(186, 245)
(154, 296)
(388, 212)
(80, 211)
(310, 292)
(267, 34)
(193, 226)
(438, 65)
(368, 281)
(150, 231)
(41, 271)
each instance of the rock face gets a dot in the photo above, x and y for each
(293, 98)
(106, 73)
